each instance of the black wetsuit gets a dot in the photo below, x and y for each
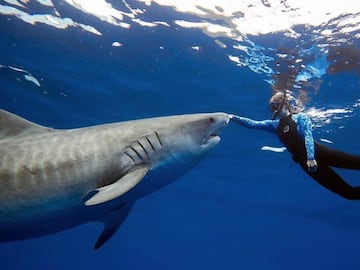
(325, 158)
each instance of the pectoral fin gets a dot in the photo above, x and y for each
(118, 188)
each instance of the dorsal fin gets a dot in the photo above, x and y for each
(12, 125)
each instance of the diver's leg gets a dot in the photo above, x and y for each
(336, 158)
(329, 179)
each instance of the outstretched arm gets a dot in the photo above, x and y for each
(305, 129)
(268, 125)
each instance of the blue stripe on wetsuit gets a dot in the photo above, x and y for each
(304, 127)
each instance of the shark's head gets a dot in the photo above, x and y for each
(172, 145)
(166, 147)
(193, 134)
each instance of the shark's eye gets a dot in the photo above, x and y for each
(211, 120)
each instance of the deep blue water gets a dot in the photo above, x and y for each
(240, 207)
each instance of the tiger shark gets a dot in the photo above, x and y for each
(54, 179)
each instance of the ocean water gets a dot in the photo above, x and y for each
(67, 64)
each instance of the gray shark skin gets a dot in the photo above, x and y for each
(52, 179)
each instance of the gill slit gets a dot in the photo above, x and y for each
(158, 137)
(143, 148)
(136, 152)
(152, 146)
(126, 153)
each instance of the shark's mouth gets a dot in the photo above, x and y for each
(211, 140)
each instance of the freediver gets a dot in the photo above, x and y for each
(294, 130)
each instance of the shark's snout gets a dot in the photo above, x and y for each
(218, 121)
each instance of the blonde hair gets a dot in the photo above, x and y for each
(277, 97)
(285, 97)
